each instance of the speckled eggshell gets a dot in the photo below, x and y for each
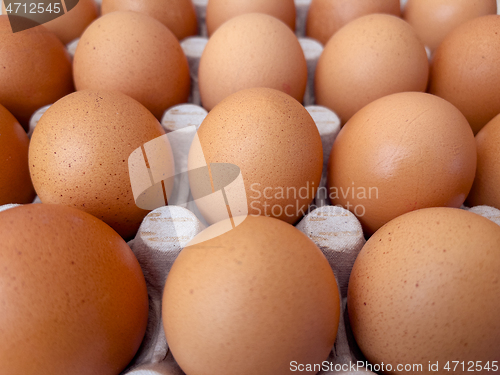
(73, 298)
(15, 180)
(251, 50)
(425, 288)
(35, 70)
(135, 54)
(486, 187)
(434, 19)
(465, 70)
(400, 153)
(178, 15)
(326, 17)
(250, 301)
(276, 144)
(220, 11)
(371, 57)
(79, 154)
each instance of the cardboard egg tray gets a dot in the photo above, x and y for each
(166, 230)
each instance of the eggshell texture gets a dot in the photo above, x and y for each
(220, 11)
(434, 19)
(275, 143)
(326, 17)
(79, 154)
(134, 54)
(425, 288)
(72, 24)
(36, 70)
(400, 153)
(15, 180)
(250, 301)
(371, 57)
(465, 70)
(485, 190)
(73, 298)
(251, 50)
(178, 15)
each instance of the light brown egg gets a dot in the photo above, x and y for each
(251, 50)
(72, 24)
(371, 57)
(424, 289)
(400, 153)
(15, 180)
(73, 298)
(275, 143)
(434, 19)
(178, 15)
(135, 54)
(220, 11)
(486, 187)
(35, 70)
(79, 154)
(326, 17)
(465, 70)
(250, 301)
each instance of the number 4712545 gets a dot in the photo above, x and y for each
(471, 366)
(32, 8)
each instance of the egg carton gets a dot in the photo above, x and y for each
(166, 230)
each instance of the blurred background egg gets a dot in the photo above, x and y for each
(434, 19)
(400, 153)
(326, 17)
(486, 187)
(372, 56)
(178, 15)
(79, 154)
(251, 50)
(262, 291)
(135, 54)
(73, 298)
(35, 70)
(465, 70)
(275, 143)
(424, 289)
(220, 11)
(15, 180)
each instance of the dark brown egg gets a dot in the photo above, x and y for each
(15, 180)
(73, 298)
(35, 70)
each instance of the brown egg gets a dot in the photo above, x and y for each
(465, 70)
(250, 301)
(73, 297)
(485, 190)
(134, 54)
(275, 143)
(220, 11)
(400, 153)
(71, 25)
(178, 15)
(251, 50)
(434, 19)
(326, 17)
(35, 70)
(424, 289)
(15, 180)
(79, 154)
(371, 57)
